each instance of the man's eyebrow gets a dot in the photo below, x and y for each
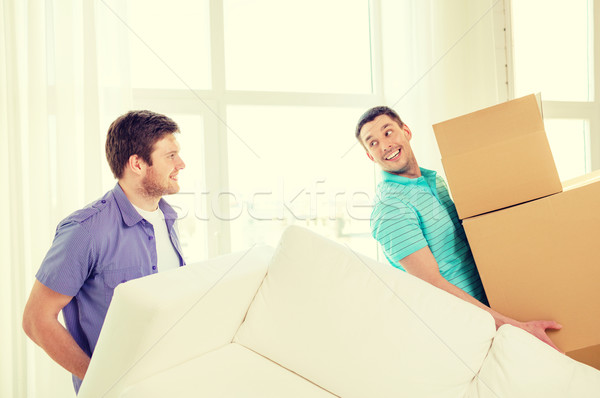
(367, 138)
(385, 126)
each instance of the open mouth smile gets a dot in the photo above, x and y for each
(393, 155)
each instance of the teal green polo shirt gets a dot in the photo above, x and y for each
(411, 213)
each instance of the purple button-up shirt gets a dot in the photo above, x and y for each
(95, 249)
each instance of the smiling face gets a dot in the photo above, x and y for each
(161, 178)
(388, 144)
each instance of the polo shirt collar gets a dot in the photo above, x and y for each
(427, 179)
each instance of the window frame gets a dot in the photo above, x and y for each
(586, 110)
(213, 102)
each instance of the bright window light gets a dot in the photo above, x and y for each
(568, 138)
(553, 49)
(169, 44)
(303, 46)
(309, 171)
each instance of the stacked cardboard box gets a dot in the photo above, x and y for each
(536, 242)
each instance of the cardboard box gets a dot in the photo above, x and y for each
(541, 260)
(497, 157)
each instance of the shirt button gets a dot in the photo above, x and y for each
(124, 280)
(150, 238)
(103, 201)
(154, 267)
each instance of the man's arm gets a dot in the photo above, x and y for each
(40, 323)
(423, 265)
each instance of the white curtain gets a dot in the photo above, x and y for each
(55, 105)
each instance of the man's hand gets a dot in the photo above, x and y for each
(423, 265)
(538, 329)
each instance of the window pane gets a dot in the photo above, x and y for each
(568, 139)
(305, 174)
(304, 46)
(189, 201)
(191, 141)
(553, 49)
(170, 44)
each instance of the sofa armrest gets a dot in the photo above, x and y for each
(162, 320)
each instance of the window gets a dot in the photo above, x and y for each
(569, 140)
(553, 53)
(169, 46)
(267, 128)
(298, 50)
(302, 175)
(548, 58)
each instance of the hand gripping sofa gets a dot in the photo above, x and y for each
(312, 318)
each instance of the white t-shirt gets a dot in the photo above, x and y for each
(167, 257)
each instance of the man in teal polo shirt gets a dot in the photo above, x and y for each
(415, 221)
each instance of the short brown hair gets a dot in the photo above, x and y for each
(372, 113)
(135, 133)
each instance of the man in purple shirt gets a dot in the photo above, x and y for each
(108, 242)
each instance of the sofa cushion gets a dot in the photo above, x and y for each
(360, 328)
(521, 366)
(231, 371)
(161, 320)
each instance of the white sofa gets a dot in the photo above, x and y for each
(314, 319)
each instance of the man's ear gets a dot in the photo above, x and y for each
(370, 156)
(407, 132)
(136, 164)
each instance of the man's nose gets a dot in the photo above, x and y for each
(181, 164)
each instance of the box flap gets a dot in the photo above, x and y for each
(489, 126)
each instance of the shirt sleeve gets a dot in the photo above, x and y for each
(68, 263)
(395, 225)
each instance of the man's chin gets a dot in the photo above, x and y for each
(395, 170)
(172, 190)
(158, 192)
